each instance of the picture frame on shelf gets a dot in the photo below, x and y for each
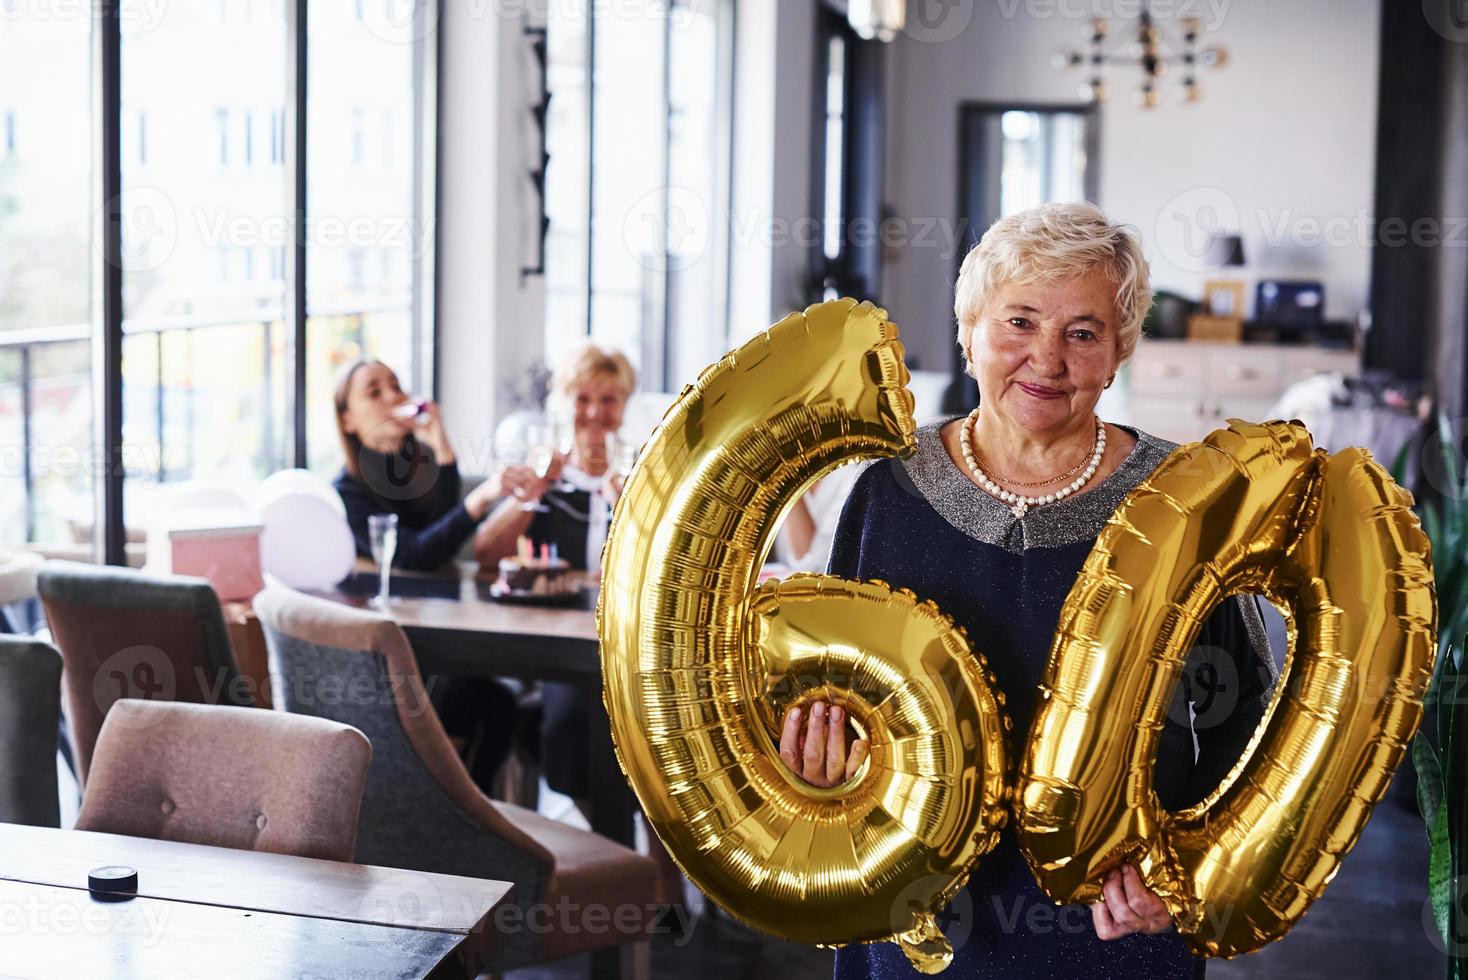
(1222, 316)
(1224, 298)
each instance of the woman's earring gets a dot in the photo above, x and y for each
(1109, 380)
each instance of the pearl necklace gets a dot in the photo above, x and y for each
(1019, 505)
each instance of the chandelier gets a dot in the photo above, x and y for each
(1153, 51)
(880, 19)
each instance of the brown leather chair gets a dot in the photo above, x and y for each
(229, 777)
(123, 634)
(421, 811)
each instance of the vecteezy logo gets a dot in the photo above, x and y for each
(667, 230)
(1187, 223)
(1448, 18)
(403, 899)
(955, 920)
(403, 475)
(935, 21)
(148, 225)
(1210, 684)
(401, 21)
(134, 672)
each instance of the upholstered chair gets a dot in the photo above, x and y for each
(229, 777)
(421, 811)
(123, 634)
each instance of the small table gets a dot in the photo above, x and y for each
(455, 627)
(225, 912)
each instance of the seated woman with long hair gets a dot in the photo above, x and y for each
(398, 460)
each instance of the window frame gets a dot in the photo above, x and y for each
(856, 270)
(107, 306)
(658, 344)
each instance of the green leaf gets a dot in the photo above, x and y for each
(1439, 874)
(1433, 526)
(1399, 465)
(1435, 689)
(1448, 453)
(1455, 805)
(1429, 780)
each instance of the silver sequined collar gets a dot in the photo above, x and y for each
(958, 501)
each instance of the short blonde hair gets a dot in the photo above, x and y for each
(1052, 242)
(589, 363)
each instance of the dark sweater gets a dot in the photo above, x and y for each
(432, 522)
(921, 524)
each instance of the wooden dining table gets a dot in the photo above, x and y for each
(457, 627)
(219, 912)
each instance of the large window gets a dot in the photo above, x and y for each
(46, 263)
(205, 205)
(637, 186)
(846, 158)
(365, 234)
(220, 370)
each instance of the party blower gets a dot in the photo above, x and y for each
(701, 664)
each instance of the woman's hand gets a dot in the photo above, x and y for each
(816, 750)
(1128, 906)
(481, 500)
(521, 482)
(432, 434)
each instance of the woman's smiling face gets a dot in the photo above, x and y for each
(1043, 352)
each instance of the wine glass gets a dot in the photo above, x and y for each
(621, 456)
(382, 533)
(541, 456)
(624, 457)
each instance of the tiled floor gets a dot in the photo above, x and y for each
(1367, 925)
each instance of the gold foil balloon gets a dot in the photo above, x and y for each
(700, 666)
(1251, 509)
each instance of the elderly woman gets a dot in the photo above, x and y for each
(992, 518)
(593, 386)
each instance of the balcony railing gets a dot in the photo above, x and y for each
(55, 406)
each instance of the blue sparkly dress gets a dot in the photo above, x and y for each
(921, 524)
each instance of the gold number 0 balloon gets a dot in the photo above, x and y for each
(1251, 509)
(700, 666)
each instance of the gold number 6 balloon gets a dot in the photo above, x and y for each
(700, 665)
(1251, 509)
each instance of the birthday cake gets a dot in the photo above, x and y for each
(537, 576)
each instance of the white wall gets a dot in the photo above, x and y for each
(772, 210)
(1284, 133)
(1284, 136)
(490, 321)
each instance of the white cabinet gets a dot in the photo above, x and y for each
(1182, 390)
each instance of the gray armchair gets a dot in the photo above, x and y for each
(30, 709)
(421, 810)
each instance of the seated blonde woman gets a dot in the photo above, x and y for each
(592, 386)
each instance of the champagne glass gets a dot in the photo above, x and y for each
(508, 453)
(565, 438)
(541, 455)
(382, 533)
(624, 457)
